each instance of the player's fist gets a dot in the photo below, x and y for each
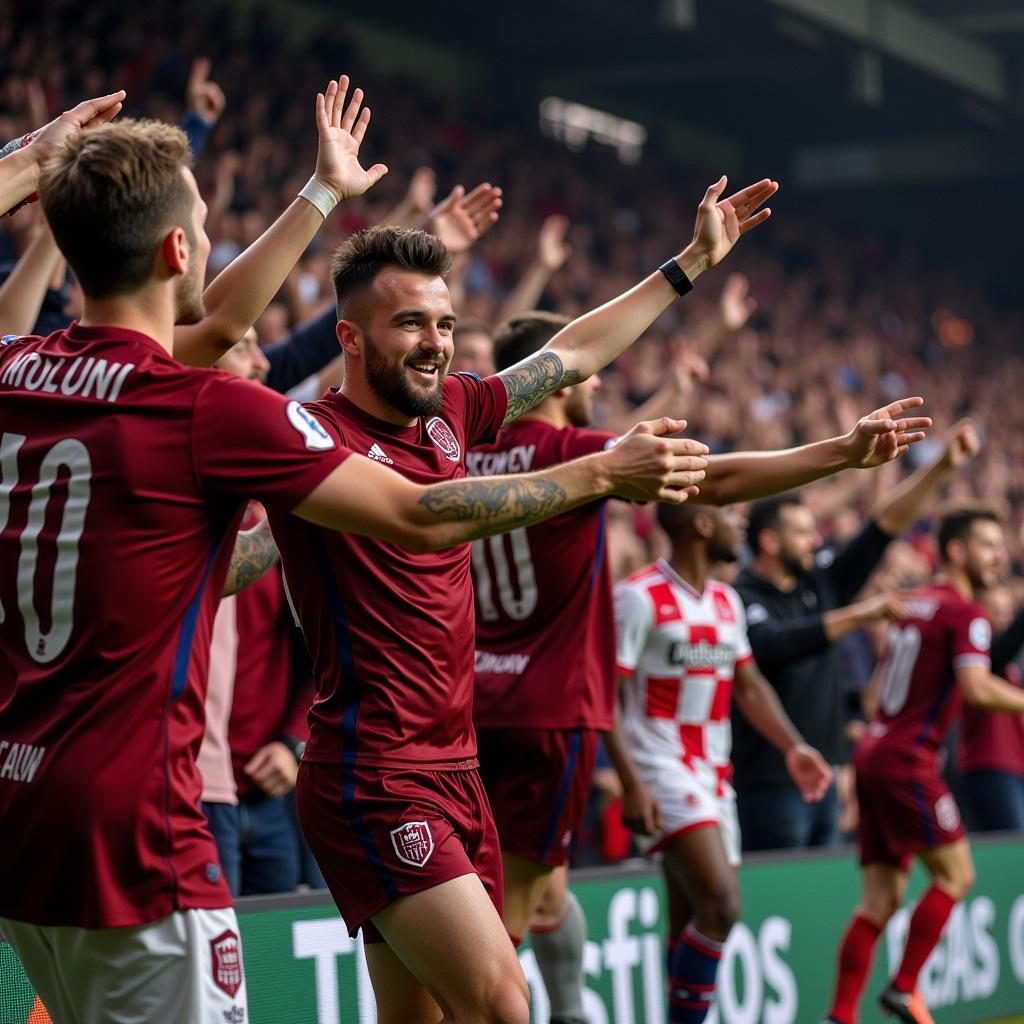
(273, 768)
(809, 771)
(647, 465)
(640, 812)
(885, 434)
(962, 445)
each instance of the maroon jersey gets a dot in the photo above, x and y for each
(919, 696)
(545, 629)
(992, 741)
(124, 476)
(391, 632)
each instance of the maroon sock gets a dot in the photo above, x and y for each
(926, 924)
(855, 955)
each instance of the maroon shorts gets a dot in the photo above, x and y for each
(381, 833)
(538, 781)
(900, 815)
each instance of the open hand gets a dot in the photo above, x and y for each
(647, 465)
(341, 130)
(721, 222)
(552, 248)
(87, 114)
(809, 770)
(735, 304)
(884, 434)
(460, 219)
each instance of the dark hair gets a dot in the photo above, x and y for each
(766, 514)
(358, 260)
(524, 335)
(673, 519)
(957, 521)
(110, 195)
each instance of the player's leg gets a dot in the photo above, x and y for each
(882, 889)
(698, 865)
(38, 958)
(452, 939)
(558, 934)
(680, 915)
(524, 882)
(401, 997)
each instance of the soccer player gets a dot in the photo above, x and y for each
(545, 648)
(682, 657)
(388, 793)
(937, 657)
(123, 476)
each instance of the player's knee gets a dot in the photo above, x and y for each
(718, 912)
(509, 1003)
(960, 882)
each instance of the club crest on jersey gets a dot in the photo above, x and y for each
(413, 843)
(443, 436)
(227, 962)
(316, 438)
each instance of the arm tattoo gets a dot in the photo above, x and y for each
(254, 555)
(528, 383)
(500, 502)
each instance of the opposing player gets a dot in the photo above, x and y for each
(682, 657)
(388, 792)
(544, 674)
(123, 476)
(938, 656)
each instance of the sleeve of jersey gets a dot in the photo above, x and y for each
(632, 624)
(249, 442)
(972, 637)
(577, 443)
(486, 402)
(743, 650)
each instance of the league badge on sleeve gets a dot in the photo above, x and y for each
(316, 438)
(444, 437)
(413, 843)
(227, 962)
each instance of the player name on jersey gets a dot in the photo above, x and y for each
(518, 459)
(85, 376)
(20, 761)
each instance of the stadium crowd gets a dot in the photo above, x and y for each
(813, 325)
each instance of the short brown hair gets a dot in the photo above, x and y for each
(957, 521)
(524, 335)
(359, 259)
(110, 195)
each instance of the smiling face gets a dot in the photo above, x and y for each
(399, 339)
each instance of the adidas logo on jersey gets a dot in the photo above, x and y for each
(377, 454)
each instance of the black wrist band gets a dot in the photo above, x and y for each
(297, 747)
(676, 277)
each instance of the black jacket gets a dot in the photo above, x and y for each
(787, 634)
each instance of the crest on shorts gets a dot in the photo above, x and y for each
(227, 962)
(413, 843)
(946, 812)
(442, 435)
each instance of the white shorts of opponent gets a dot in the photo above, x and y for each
(183, 969)
(688, 801)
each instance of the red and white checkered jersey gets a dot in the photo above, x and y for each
(678, 649)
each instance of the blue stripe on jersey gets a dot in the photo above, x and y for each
(933, 711)
(188, 626)
(922, 806)
(599, 546)
(350, 716)
(563, 793)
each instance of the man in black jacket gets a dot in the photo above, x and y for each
(798, 608)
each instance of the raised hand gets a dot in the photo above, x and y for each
(809, 770)
(341, 130)
(87, 114)
(422, 189)
(735, 304)
(204, 98)
(721, 222)
(962, 444)
(688, 369)
(552, 248)
(460, 219)
(647, 465)
(884, 434)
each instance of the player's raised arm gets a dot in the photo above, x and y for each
(22, 294)
(644, 465)
(597, 338)
(877, 438)
(237, 296)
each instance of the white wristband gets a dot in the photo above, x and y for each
(320, 196)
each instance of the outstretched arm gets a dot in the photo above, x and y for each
(877, 438)
(595, 339)
(237, 296)
(22, 294)
(644, 465)
(552, 252)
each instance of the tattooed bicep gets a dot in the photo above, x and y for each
(529, 382)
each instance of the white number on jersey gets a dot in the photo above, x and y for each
(72, 455)
(518, 608)
(904, 647)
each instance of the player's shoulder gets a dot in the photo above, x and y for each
(725, 598)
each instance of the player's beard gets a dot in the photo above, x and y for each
(188, 299)
(389, 381)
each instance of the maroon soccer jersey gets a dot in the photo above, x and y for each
(545, 629)
(992, 741)
(919, 696)
(124, 476)
(391, 632)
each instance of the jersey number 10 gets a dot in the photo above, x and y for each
(72, 455)
(904, 647)
(517, 608)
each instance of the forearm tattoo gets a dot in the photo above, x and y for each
(492, 502)
(530, 382)
(254, 555)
